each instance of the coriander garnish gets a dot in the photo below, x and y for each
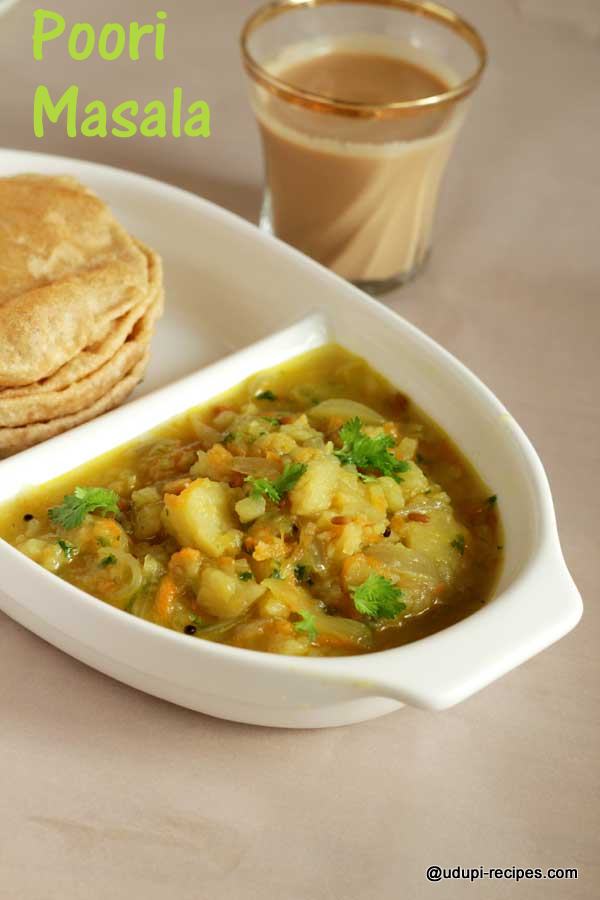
(378, 598)
(275, 489)
(307, 625)
(366, 452)
(82, 501)
(69, 550)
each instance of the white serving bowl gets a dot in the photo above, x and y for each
(535, 602)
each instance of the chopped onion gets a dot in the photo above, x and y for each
(132, 576)
(207, 435)
(341, 408)
(255, 465)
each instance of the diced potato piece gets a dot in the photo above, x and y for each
(48, 555)
(145, 496)
(225, 596)
(275, 442)
(250, 508)
(377, 498)
(271, 607)
(301, 431)
(314, 491)
(349, 540)
(354, 498)
(408, 447)
(214, 463)
(296, 598)
(393, 493)
(274, 548)
(201, 466)
(414, 482)
(202, 517)
(148, 520)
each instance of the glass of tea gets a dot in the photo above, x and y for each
(359, 103)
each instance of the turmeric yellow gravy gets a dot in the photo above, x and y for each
(312, 510)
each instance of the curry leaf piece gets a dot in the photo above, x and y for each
(378, 598)
(366, 452)
(82, 501)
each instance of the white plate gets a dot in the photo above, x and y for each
(229, 285)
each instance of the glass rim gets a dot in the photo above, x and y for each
(320, 102)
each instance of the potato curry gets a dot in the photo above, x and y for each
(313, 510)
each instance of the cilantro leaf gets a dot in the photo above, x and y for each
(491, 501)
(378, 598)
(307, 625)
(245, 576)
(366, 452)
(271, 420)
(262, 487)
(266, 395)
(82, 501)
(459, 544)
(69, 550)
(291, 474)
(275, 490)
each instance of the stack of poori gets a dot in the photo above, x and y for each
(79, 298)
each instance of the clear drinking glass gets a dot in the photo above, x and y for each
(353, 183)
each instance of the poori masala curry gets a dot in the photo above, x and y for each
(311, 511)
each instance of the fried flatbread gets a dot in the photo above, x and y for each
(68, 272)
(19, 411)
(93, 357)
(12, 440)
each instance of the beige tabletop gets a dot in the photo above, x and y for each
(108, 793)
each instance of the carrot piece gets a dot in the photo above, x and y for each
(274, 458)
(111, 526)
(187, 554)
(165, 598)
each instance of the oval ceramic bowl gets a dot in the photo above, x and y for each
(248, 286)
